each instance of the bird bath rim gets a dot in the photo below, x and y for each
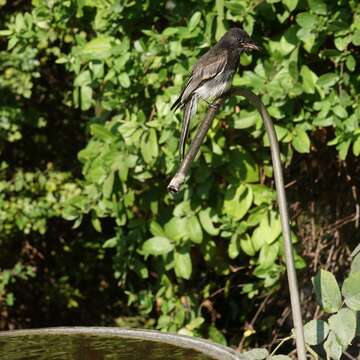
(207, 347)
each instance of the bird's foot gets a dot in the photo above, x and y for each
(210, 104)
(214, 106)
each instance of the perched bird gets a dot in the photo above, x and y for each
(212, 76)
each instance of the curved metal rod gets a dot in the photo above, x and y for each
(179, 178)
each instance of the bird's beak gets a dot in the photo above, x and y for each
(251, 46)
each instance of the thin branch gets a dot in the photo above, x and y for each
(348, 356)
(253, 320)
(280, 344)
(179, 178)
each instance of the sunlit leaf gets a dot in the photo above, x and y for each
(315, 332)
(183, 265)
(301, 141)
(206, 222)
(194, 230)
(343, 324)
(97, 48)
(327, 291)
(255, 354)
(351, 290)
(157, 245)
(332, 346)
(237, 201)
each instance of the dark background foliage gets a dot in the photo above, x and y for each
(89, 234)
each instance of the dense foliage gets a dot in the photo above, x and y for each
(97, 78)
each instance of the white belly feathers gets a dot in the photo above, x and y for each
(215, 87)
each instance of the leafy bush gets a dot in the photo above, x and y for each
(117, 67)
(340, 329)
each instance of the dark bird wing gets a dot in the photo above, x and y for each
(207, 67)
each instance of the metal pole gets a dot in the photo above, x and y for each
(179, 178)
(284, 218)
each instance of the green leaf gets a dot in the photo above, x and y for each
(216, 335)
(149, 146)
(262, 194)
(332, 347)
(124, 80)
(246, 121)
(316, 331)
(327, 80)
(343, 148)
(19, 22)
(350, 62)
(84, 78)
(176, 228)
(255, 354)
(156, 229)
(268, 230)
(194, 21)
(291, 4)
(110, 243)
(220, 28)
(97, 49)
(340, 111)
(301, 141)
(141, 269)
(356, 37)
(102, 133)
(309, 79)
(157, 245)
(234, 247)
(300, 263)
(10, 299)
(153, 144)
(279, 357)
(327, 291)
(96, 223)
(12, 43)
(318, 6)
(307, 37)
(306, 20)
(268, 255)
(342, 42)
(355, 264)
(194, 229)
(243, 166)
(108, 185)
(247, 245)
(206, 222)
(5, 32)
(343, 324)
(183, 265)
(351, 291)
(237, 201)
(195, 324)
(97, 69)
(86, 97)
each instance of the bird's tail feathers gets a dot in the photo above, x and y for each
(189, 112)
(176, 104)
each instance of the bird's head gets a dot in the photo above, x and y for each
(239, 38)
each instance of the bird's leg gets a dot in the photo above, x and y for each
(213, 105)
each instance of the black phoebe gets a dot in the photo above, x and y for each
(212, 75)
